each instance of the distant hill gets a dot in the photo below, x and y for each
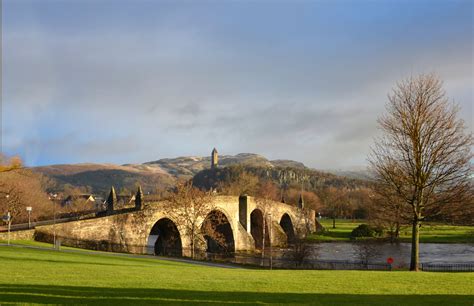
(163, 173)
(99, 177)
(282, 176)
(189, 166)
(357, 173)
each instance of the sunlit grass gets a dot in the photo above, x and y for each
(429, 233)
(48, 276)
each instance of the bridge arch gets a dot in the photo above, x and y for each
(164, 239)
(218, 233)
(256, 228)
(287, 226)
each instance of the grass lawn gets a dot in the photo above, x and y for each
(48, 276)
(430, 232)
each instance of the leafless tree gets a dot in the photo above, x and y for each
(459, 212)
(7, 164)
(301, 250)
(388, 211)
(424, 153)
(311, 200)
(335, 203)
(20, 188)
(189, 207)
(244, 183)
(266, 193)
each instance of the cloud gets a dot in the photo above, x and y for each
(308, 89)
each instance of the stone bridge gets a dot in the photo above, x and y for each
(151, 229)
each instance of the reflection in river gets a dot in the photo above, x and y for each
(400, 252)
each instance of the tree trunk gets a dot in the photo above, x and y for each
(192, 246)
(397, 230)
(333, 222)
(415, 244)
(263, 241)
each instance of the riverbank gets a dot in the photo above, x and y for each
(429, 232)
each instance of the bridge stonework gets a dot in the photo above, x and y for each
(132, 231)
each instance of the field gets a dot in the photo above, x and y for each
(430, 232)
(48, 276)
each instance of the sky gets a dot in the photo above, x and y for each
(135, 81)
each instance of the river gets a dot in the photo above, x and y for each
(400, 252)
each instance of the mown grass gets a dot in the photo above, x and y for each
(48, 276)
(441, 233)
(429, 232)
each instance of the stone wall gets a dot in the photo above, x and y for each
(118, 233)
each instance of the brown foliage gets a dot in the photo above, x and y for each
(335, 202)
(20, 188)
(189, 207)
(268, 190)
(7, 164)
(311, 200)
(244, 183)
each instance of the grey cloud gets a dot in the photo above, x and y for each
(177, 92)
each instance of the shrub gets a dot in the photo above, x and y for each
(363, 230)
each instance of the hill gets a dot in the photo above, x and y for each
(190, 166)
(163, 173)
(99, 177)
(311, 179)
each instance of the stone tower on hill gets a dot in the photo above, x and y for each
(214, 158)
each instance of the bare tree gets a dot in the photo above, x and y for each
(459, 212)
(189, 207)
(266, 193)
(244, 183)
(7, 164)
(335, 203)
(311, 200)
(424, 154)
(20, 188)
(388, 211)
(301, 249)
(77, 205)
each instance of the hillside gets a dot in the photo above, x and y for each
(189, 166)
(99, 177)
(163, 173)
(282, 176)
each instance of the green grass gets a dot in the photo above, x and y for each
(441, 233)
(34, 243)
(48, 276)
(340, 233)
(29, 243)
(429, 233)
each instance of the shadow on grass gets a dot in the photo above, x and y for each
(126, 296)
